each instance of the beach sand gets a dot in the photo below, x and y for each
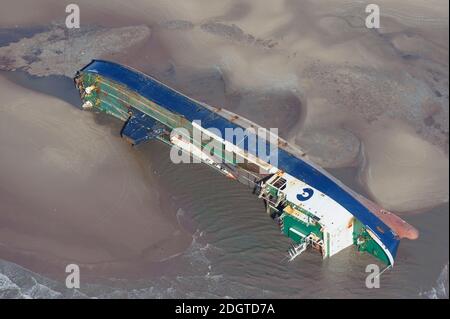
(73, 191)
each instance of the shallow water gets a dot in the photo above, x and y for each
(237, 251)
(55, 85)
(9, 35)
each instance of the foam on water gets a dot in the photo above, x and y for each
(441, 289)
(17, 282)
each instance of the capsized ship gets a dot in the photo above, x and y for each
(312, 208)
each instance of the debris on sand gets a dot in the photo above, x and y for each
(61, 51)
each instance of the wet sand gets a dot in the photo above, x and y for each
(73, 191)
(309, 68)
(399, 158)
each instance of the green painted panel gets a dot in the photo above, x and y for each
(364, 242)
(290, 221)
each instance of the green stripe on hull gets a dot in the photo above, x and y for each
(364, 242)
